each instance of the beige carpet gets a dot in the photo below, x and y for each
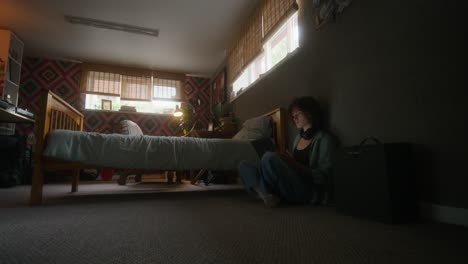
(156, 223)
(19, 195)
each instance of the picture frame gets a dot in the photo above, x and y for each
(218, 88)
(106, 104)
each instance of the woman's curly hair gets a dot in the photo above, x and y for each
(310, 107)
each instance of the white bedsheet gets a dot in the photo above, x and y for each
(148, 152)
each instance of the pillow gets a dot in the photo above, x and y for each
(255, 128)
(128, 127)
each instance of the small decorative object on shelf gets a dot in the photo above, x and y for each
(126, 108)
(106, 104)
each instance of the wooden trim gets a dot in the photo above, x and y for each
(169, 76)
(115, 69)
(279, 127)
(106, 94)
(134, 99)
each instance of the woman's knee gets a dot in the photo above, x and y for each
(246, 166)
(270, 157)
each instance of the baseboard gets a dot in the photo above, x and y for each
(444, 214)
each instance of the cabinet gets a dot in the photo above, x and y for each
(15, 161)
(11, 56)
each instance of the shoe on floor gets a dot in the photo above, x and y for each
(270, 200)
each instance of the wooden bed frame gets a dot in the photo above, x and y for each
(55, 113)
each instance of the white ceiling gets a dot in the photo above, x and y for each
(193, 34)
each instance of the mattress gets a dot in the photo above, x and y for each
(148, 152)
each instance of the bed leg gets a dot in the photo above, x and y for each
(138, 178)
(178, 175)
(169, 177)
(123, 177)
(75, 180)
(36, 185)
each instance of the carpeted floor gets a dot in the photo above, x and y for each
(100, 225)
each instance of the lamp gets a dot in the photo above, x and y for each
(178, 112)
(187, 114)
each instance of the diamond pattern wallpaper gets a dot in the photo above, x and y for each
(63, 78)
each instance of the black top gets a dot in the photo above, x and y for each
(302, 156)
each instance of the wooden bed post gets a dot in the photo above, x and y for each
(54, 113)
(37, 181)
(36, 184)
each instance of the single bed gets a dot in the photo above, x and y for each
(62, 145)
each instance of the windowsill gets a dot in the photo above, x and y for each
(124, 112)
(263, 75)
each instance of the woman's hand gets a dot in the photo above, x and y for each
(288, 157)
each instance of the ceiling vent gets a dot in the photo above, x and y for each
(111, 25)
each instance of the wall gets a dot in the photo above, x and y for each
(63, 78)
(390, 69)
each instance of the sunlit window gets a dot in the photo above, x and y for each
(282, 42)
(162, 97)
(94, 101)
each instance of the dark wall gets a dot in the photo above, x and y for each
(390, 69)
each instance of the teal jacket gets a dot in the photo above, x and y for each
(320, 159)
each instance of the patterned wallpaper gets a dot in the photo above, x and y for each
(63, 78)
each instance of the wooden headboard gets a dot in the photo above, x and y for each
(55, 113)
(279, 126)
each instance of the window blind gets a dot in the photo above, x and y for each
(136, 88)
(103, 83)
(264, 20)
(235, 62)
(274, 12)
(253, 36)
(167, 89)
(130, 83)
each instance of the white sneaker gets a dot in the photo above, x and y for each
(270, 200)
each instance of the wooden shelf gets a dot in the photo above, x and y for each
(11, 117)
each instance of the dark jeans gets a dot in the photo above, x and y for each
(273, 175)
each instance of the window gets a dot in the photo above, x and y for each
(276, 48)
(142, 91)
(93, 101)
(166, 89)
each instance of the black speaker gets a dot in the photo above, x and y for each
(15, 161)
(376, 182)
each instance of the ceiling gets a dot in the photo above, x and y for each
(193, 34)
